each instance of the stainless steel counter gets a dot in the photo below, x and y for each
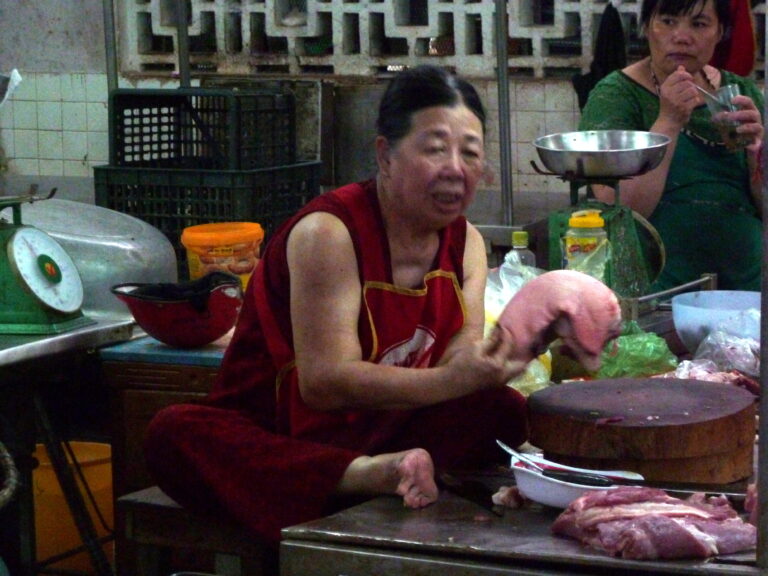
(455, 537)
(28, 364)
(107, 329)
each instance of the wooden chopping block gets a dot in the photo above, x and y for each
(668, 430)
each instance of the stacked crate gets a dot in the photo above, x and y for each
(192, 156)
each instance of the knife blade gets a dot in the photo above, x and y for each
(472, 490)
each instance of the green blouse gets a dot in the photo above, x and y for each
(706, 217)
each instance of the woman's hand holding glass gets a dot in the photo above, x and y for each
(750, 122)
(737, 118)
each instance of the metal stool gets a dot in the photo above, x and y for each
(154, 525)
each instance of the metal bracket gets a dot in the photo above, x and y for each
(633, 308)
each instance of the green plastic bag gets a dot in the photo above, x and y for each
(636, 354)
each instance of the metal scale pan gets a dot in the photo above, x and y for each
(600, 156)
(607, 155)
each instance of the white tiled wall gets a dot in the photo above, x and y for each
(55, 125)
(58, 124)
(540, 107)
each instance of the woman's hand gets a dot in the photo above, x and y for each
(488, 363)
(750, 121)
(565, 304)
(751, 128)
(678, 97)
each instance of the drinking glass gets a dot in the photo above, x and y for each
(720, 102)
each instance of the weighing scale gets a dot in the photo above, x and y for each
(41, 291)
(637, 250)
(605, 157)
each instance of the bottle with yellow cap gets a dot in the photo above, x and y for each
(520, 247)
(585, 245)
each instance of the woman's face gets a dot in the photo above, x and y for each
(433, 172)
(684, 39)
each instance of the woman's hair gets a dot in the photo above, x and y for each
(651, 8)
(422, 87)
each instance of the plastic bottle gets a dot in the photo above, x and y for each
(585, 245)
(520, 246)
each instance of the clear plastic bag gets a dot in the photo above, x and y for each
(8, 84)
(502, 284)
(729, 352)
(746, 324)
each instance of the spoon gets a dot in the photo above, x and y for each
(617, 475)
(564, 476)
(708, 95)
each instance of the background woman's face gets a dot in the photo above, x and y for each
(687, 39)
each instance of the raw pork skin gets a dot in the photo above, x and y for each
(642, 523)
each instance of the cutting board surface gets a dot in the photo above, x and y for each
(643, 402)
(666, 429)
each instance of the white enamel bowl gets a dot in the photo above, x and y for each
(696, 314)
(548, 491)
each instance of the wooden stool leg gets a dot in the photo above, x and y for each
(149, 560)
(156, 530)
(228, 565)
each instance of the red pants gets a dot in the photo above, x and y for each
(216, 460)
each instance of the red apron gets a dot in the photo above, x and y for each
(397, 326)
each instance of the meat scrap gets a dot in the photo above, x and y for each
(750, 503)
(642, 523)
(708, 371)
(508, 496)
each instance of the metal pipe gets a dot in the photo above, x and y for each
(182, 38)
(762, 446)
(109, 44)
(505, 136)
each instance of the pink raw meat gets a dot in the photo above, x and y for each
(647, 524)
(565, 304)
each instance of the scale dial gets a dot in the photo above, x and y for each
(45, 269)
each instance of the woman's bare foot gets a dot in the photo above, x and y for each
(410, 474)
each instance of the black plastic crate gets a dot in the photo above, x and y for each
(171, 200)
(201, 128)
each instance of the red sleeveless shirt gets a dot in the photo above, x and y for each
(397, 326)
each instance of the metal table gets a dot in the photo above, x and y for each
(108, 329)
(455, 537)
(27, 364)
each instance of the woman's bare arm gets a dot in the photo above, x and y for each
(325, 305)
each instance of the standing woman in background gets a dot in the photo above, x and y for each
(704, 198)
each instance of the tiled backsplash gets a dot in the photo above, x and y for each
(55, 125)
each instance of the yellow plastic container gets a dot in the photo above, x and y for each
(233, 247)
(55, 529)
